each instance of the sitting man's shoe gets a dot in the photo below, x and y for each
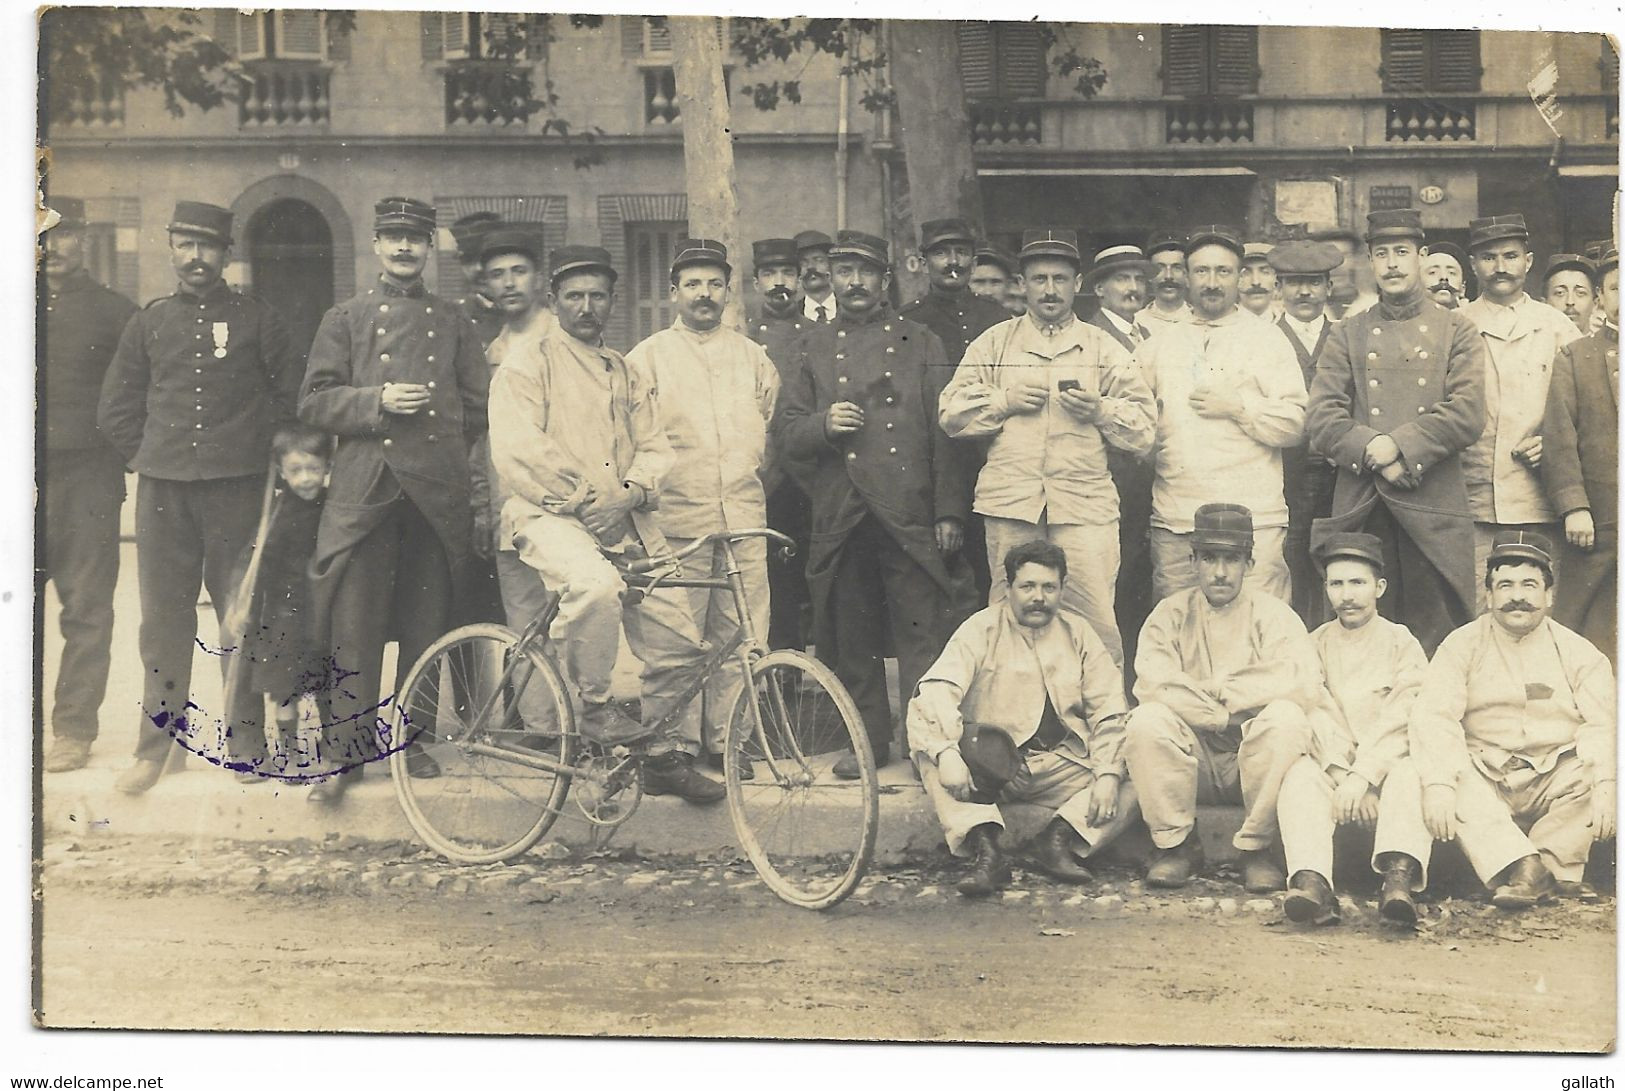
(1056, 853)
(66, 755)
(672, 774)
(1528, 884)
(847, 768)
(989, 872)
(1310, 899)
(1176, 866)
(747, 768)
(607, 724)
(1399, 874)
(420, 764)
(329, 792)
(1260, 874)
(139, 777)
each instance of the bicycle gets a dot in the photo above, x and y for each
(491, 708)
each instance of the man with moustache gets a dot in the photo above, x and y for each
(812, 258)
(1373, 669)
(1444, 275)
(949, 308)
(1165, 250)
(1258, 294)
(81, 479)
(199, 383)
(1513, 731)
(993, 275)
(1226, 677)
(399, 375)
(1354, 289)
(776, 326)
(1305, 269)
(1581, 470)
(857, 423)
(583, 487)
(1052, 394)
(1397, 396)
(480, 304)
(1570, 285)
(718, 389)
(1521, 338)
(1230, 399)
(1028, 679)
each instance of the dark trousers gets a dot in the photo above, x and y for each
(1418, 595)
(81, 499)
(879, 590)
(1133, 597)
(1309, 486)
(396, 585)
(187, 534)
(788, 512)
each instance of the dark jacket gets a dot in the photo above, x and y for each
(198, 385)
(1580, 437)
(80, 330)
(957, 318)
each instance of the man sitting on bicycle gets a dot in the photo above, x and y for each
(582, 485)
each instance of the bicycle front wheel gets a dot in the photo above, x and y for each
(809, 834)
(498, 724)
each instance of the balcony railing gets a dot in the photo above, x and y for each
(1613, 117)
(488, 95)
(281, 94)
(93, 105)
(1001, 123)
(1208, 123)
(660, 97)
(1431, 120)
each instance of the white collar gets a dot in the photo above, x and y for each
(1120, 322)
(809, 307)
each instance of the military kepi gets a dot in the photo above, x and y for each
(1488, 229)
(765, 252)
(812, 240)
(933, 233)
(860, 244)
(1302, 258)
(1164, 240)
(70, 213)
(197, 218)
(1350, 544)
(701, 252)
(1216, 234)
(467, 231)
(1050, 242)
(575, 259)
(403, 213)
(501, 238)
(1558, 263)
(1223, 526)
(1522, 545)
(1394, 223)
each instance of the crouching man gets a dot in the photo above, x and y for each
(1373, 669)
(1223, 674)
(1513, 729)
(1024, 705)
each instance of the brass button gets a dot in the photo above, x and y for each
(888, 374)
(890, 348)
(891, 401)
(1375, 412)
(384, 356)
(890, 425)
(431, 381)
(388, 442)
(1423, 354)
(1424, 329)
(431, 333)
(1373, 384)
(383, 307)
(851, 456)
(1421, 409)
(840, 355)
(894, 450)
(431, 359)
(431, 413)
(428, 310)
(840, 333)
(1371, 356)
(1422, 380)
(842, 379)
(380, 331)
(1376, 331)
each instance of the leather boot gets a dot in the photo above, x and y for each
(1399, 874)
(1055, 853)
(1260, 874)
(672, 774)
(847, 767)
(139, 777)
(1528, 884)
(67, 754)
(989, 871)
(1310, 899)
(1176, 866)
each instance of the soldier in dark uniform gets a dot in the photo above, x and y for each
(776, 326)
(200, 382)
(812, 259)
(399, 376)
(82, 479)
(858, 419)
(1304, 272)
(481, 309)
(1397, 397)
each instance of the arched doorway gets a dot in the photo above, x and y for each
(290, 249)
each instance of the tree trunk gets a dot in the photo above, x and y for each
(708, 151)
(934, 131)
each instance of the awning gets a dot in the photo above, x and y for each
(1589, 170)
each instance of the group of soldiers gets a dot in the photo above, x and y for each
(1035, 512)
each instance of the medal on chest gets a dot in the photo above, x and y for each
(221, 333)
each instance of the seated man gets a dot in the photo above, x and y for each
(1042, 683)
(1514, 727)
(581, 485)
(1224, 675)
(1373, 668)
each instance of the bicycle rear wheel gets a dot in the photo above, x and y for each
(809, 834)
(504, 748)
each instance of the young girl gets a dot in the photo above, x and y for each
(278, 647)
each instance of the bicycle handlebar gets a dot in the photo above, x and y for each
(667, 560)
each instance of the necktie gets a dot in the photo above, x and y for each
(1140, 333)
(822, 317)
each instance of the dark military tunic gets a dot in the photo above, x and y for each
(83, 489)
(957, 318)
(1580, 466)
(1308, 479)
(485, 314)
(1414, 372)
(198, 386)
(877, 495)
(788, 509)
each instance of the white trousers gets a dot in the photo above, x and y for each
(1052, 781)
(717, 620)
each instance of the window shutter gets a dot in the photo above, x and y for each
(299, 35)
(1021, 58)
(338, 41)
(1610, 65)
(432, 27)
(1455, 60)
(976, 59)
(656, 35)
(456, 34)
(250, 36)
(225, 29)
(631, 35)
(1184, 60)
(1404, 60)
(498, 31)
(1235, 60)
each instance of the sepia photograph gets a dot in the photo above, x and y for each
(825, 529)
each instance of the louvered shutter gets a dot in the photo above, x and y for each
(338, 41)
(631, 35)
(250, 36)
(225, 29)
(1184, 60)
(656, 35)
(1404, 60)
(456, 34)
(497, 31)
(299, 35)
(1021, 60)
(1610, 65)
(1235, 60)
(1455, 60)
(976, 59)
(432, 30)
